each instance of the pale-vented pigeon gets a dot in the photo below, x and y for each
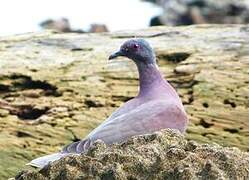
(157, 106)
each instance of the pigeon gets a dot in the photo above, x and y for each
(157, 106)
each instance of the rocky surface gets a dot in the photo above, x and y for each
(163, 155)
(186, 12)
(55, 88)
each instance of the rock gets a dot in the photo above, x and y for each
(60, 25)
(186, 12)
(162, 155)
(4, 113)
(97, 28)
(65, 86)
(63, 25)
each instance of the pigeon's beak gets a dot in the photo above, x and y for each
(115, 55)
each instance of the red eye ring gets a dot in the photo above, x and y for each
(135, 46)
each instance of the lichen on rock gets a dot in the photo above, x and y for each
(161, 155)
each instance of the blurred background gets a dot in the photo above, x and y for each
(111, 15)
(76, 15)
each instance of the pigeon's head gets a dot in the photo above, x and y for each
(138, 50)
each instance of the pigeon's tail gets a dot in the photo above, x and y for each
(73, 148)
(44, 160)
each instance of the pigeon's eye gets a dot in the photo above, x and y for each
(126, 49)
(135, 46)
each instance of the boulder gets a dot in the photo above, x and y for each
(186, 12)
(162, 155)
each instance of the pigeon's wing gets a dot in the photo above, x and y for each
(126, 107)
(81, 146)
(146, 118)
(77, 147)
(73, 148)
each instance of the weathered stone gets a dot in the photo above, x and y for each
(187, 12)
(162, 155)
(56, 88)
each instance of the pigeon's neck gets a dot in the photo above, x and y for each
(152, 84)
(150, 78)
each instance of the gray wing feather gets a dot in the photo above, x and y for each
(146, 118)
